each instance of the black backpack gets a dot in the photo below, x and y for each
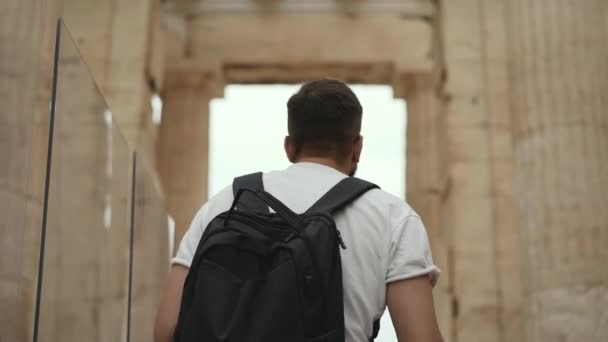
(261, 276)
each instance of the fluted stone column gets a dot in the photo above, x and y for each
(27, 43)
(424, 181)
(558, 55)
(468, 211)
(508, 249)
(118, 41)
(183, 148)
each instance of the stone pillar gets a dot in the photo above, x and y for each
(467, 199)
(120, 40)
(559, 84)
(86, 261)
(424, 183)
(27, 43)
(183, 148)
(150, 252)
(507, 230)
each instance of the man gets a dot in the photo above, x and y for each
(388, 260)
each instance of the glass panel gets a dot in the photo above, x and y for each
(86, 262)
(25, 89)
(150, 251)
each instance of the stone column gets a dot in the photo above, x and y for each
(27, 43)
(122, 42)
(558, 55)
(507, 230)
(183, 147)
(467, 200)
(423, 179)
(86, 262)
(150, 252)
(119, 41)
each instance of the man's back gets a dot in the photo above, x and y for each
(388, 256)
(385, 238)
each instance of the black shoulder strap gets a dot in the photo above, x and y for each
(248, 200)
(376, 330)
(342, 194)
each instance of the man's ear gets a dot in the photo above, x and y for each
(290, 149)
(357, 147)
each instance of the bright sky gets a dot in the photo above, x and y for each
(248, 125)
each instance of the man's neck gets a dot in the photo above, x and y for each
(325, 161)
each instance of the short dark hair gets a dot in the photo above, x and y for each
(324, 118)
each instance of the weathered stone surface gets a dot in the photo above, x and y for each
(297, 38)
(559, 81)
(86, 260)
(150, 252)
(27, 42)
(468, 203)
(406, 8)
(424, 183)
(508, 246)
(572, 314)
(183, 150)
(124, 59)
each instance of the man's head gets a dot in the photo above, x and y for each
(324, 122)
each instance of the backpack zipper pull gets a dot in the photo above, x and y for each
(340, 241)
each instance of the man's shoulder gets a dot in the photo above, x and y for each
(222, 198)
(374, 198)
(386, 203)
(386, 197)
(215, 205)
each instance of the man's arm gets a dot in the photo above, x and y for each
(168, 310)
(410, 303)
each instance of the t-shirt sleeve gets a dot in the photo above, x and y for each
(410, 252)
(187, 247)
(216, 205)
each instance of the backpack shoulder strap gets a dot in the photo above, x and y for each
(342, 194)
(248, 200)
(376, 330)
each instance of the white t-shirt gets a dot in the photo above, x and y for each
(386, 240)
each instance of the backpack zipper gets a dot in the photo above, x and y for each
(327, 217)
(340, 241)
(330, 219)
